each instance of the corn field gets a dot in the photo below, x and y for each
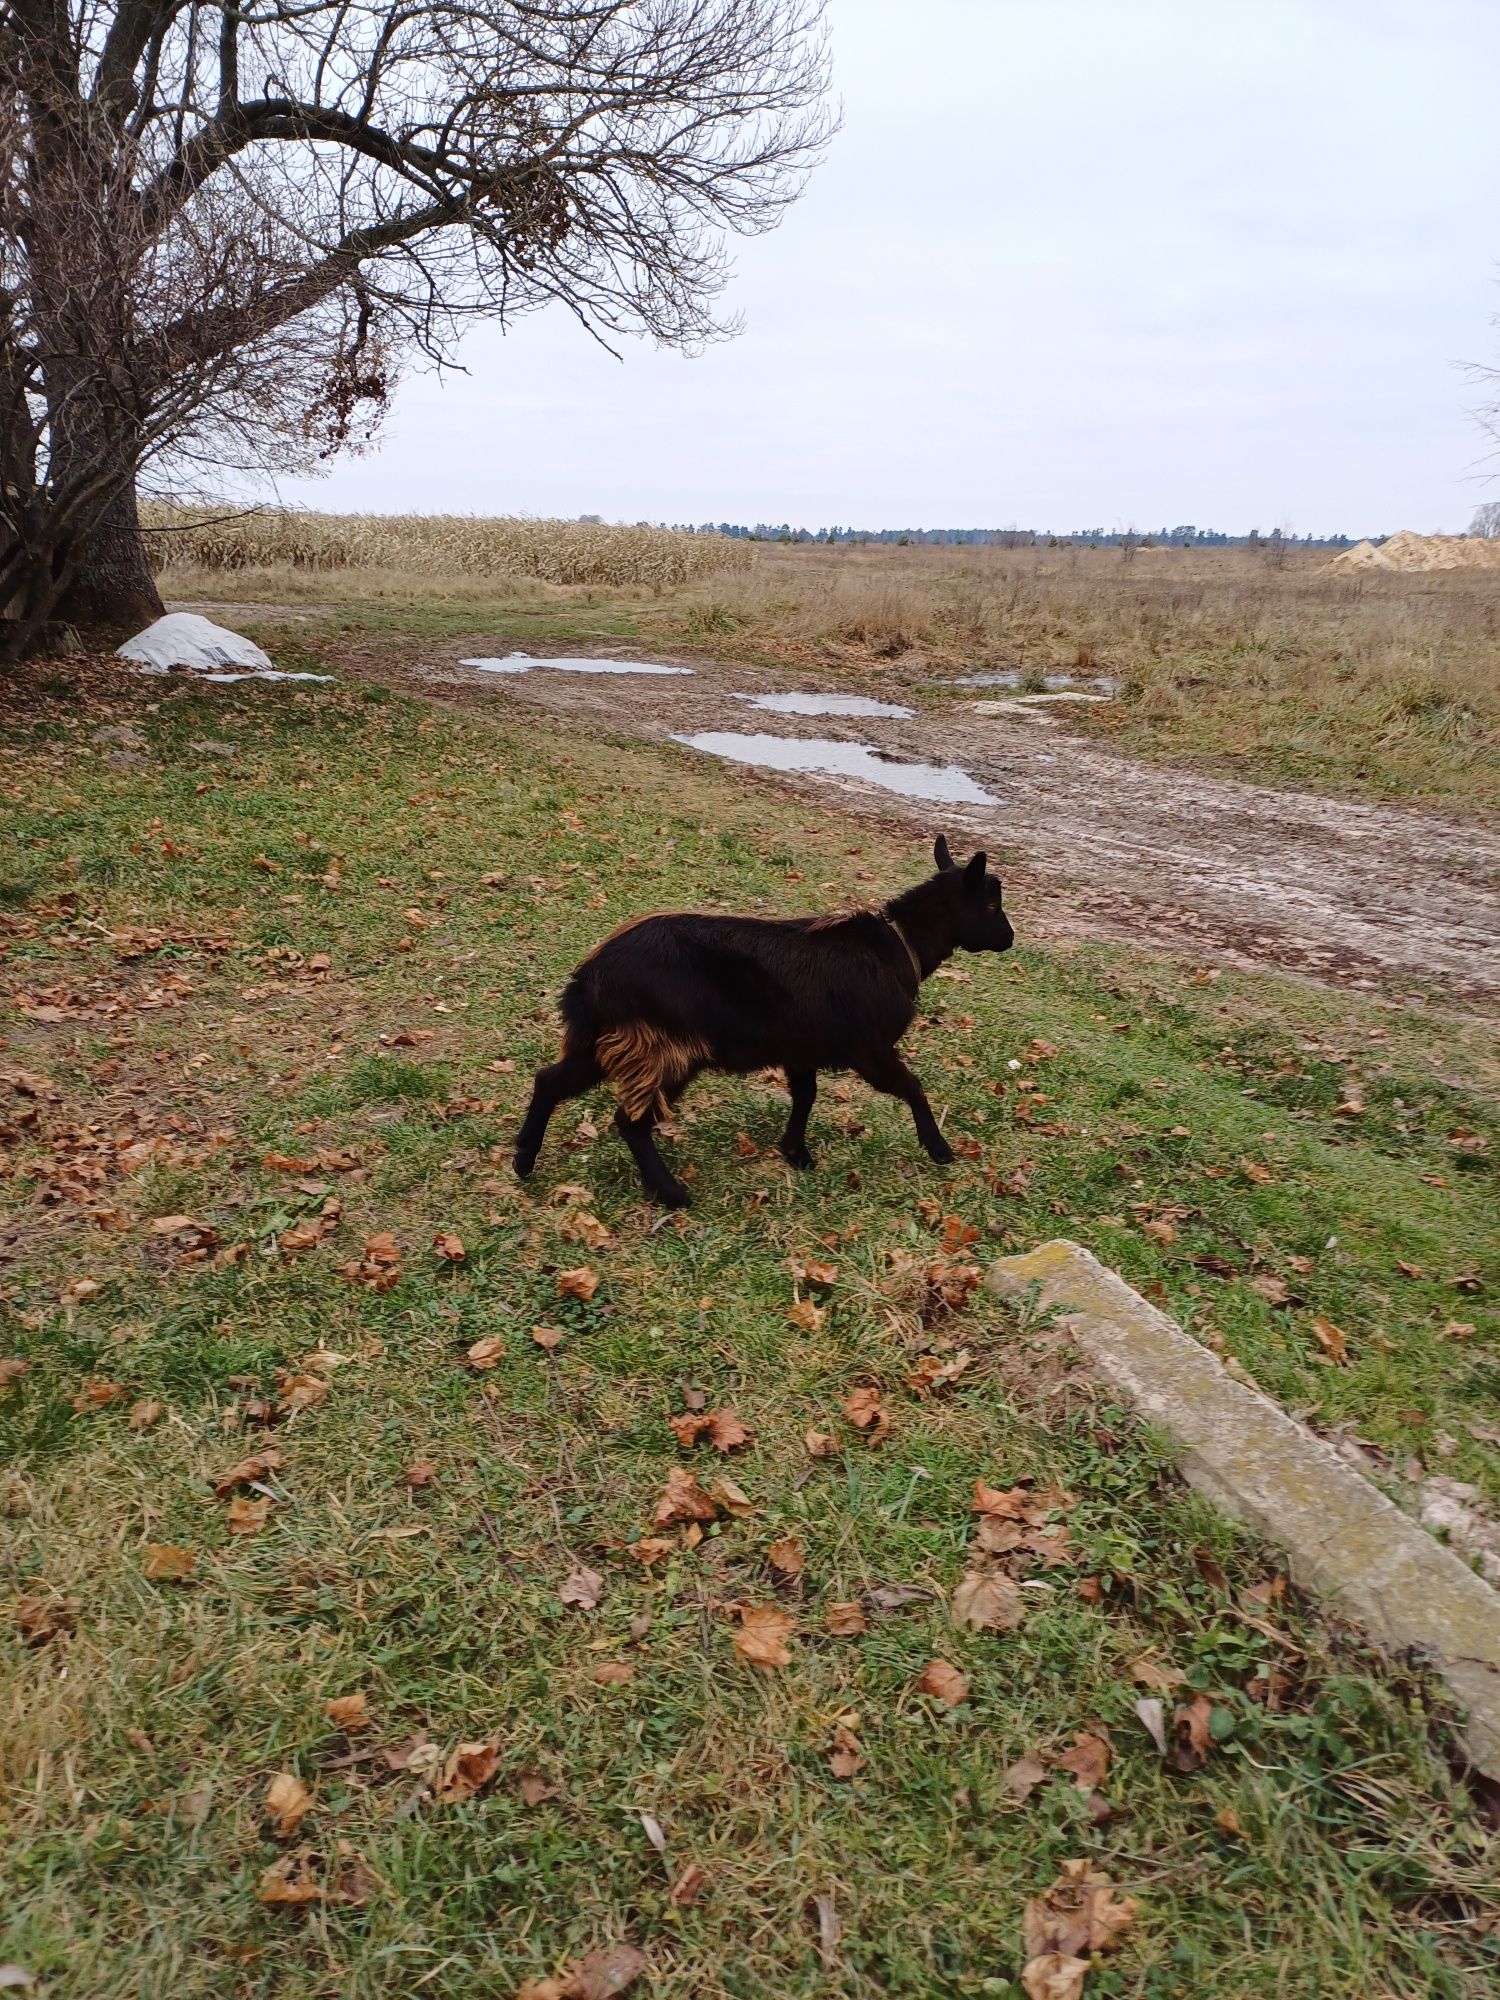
(563, 552)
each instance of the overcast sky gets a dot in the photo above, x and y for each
(1069, 263)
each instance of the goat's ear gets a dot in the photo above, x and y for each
(974, 872)
(940, 853)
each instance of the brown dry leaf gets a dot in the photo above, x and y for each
(1088, 1760)
(613, 1673)
(788, 1555)
(94, 1395)
(78, 1292)
(730, 1496)
(246, 1472)
(933, 1372)
(803, 1313)
(651, 1548)
(1160, 1232)
(583, 1589)
(1054, 1977)
(1023, 1777)
(578, 1226)
(683, 1499)
(601, 1975)
(290, 1880)
(297, 1391)
(581, 1283)
(1458, 1329)
(354, 1880)
(420, 1473)
(762, 1635)
(166, 1562)
(471, 1767)
(1333, 1341)
(1019, 1503)
(846, 1621)
(689, 1886)
(535, 1790)
(812, 1271)
(448, 1247)
(1227, 1820)
(548, 1337)
(845, 1756)
(348, 1712)
(821, 1444)
(1192, 1735)
(1147, 1674)
(1254, 1171)
(957, 1235)
(864, 1409)
(288, 1802)
(144, 1414)
(1272, 1289)
(998, 1536)
(987, 1603)
(944, 1683)
(244, 1516)
(487, 1352)
(1079, 1914)
(726, 1432)
(39, 1620)
(12, 1368)
(1352, 1106)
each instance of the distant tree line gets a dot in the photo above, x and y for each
(1186, 537)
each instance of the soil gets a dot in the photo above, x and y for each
(1093, 843)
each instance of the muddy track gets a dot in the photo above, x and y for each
(1094, 843)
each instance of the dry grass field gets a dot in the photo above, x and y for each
(1369, 685)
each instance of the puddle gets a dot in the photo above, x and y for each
(823, 704)
(259, 674)
(522, 663)
(943, 782)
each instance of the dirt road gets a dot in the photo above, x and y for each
(1092, 842)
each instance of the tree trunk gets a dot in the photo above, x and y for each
(112, 581)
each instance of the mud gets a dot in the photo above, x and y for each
(1096, 844)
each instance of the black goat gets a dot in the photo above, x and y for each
(669, 996)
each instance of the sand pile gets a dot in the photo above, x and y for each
(1408, 551)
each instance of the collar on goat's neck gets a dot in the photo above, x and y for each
(911, 952)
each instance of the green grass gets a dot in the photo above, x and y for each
(200, 1028)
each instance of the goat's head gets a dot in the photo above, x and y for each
(976, 910)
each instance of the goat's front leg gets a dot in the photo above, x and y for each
(803, 1084)
(886, 1072)
(661, 1183)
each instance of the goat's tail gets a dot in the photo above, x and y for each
(644, 1064)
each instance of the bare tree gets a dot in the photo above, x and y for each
(1486, 521)
(226, 225)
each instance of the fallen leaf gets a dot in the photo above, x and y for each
(998, 1536)
(297, 1391)
(1054, 1977)
(144, 1414)
(354, 1880)
(420, 1473)
(805, 1314)
(246, 1473)
(164, 1561)
(864, 1409)
(600, 1975)
(288, 1802)
(683, 1499)
(821, 1444)
(548, 1337)
(348, 1712)
(534, 1789)
(12, 1368)
(583, 1589)
(845, 1756)
(651, 1548)
(468, 1770)
(1191, 1735)
(812, 1271)
(846, 1621)
(1078, 1914)
(581, 1283)
(788, 1555)
(1153, 1719)
(1458, 1329)
(988, 1603)
(726, 1432)
(39, 1620)
(933, 1372)
(95, 1395)
(891, 1596)
(1023, 1777)
(689, 1886)
(449, 1248)
(1088, 1761)
(290, 1880)
(244, 1516)
(1160, 1232)
(613, 1673)
(1227, 1820)
(762, 1635)
(944, 1683)
(1333, 1341)
(487, 1352)
(1147, 1674)
(1272, 1289)
(732, 1498)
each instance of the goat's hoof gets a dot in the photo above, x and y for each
(942, 1154)
(797, 1156)
(671, 1195)
(524, 1162)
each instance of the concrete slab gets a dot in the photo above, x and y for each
(1343, 1538)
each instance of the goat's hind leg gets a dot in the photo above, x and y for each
(571, 1077)
(661, 1183)
(803, 1084)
